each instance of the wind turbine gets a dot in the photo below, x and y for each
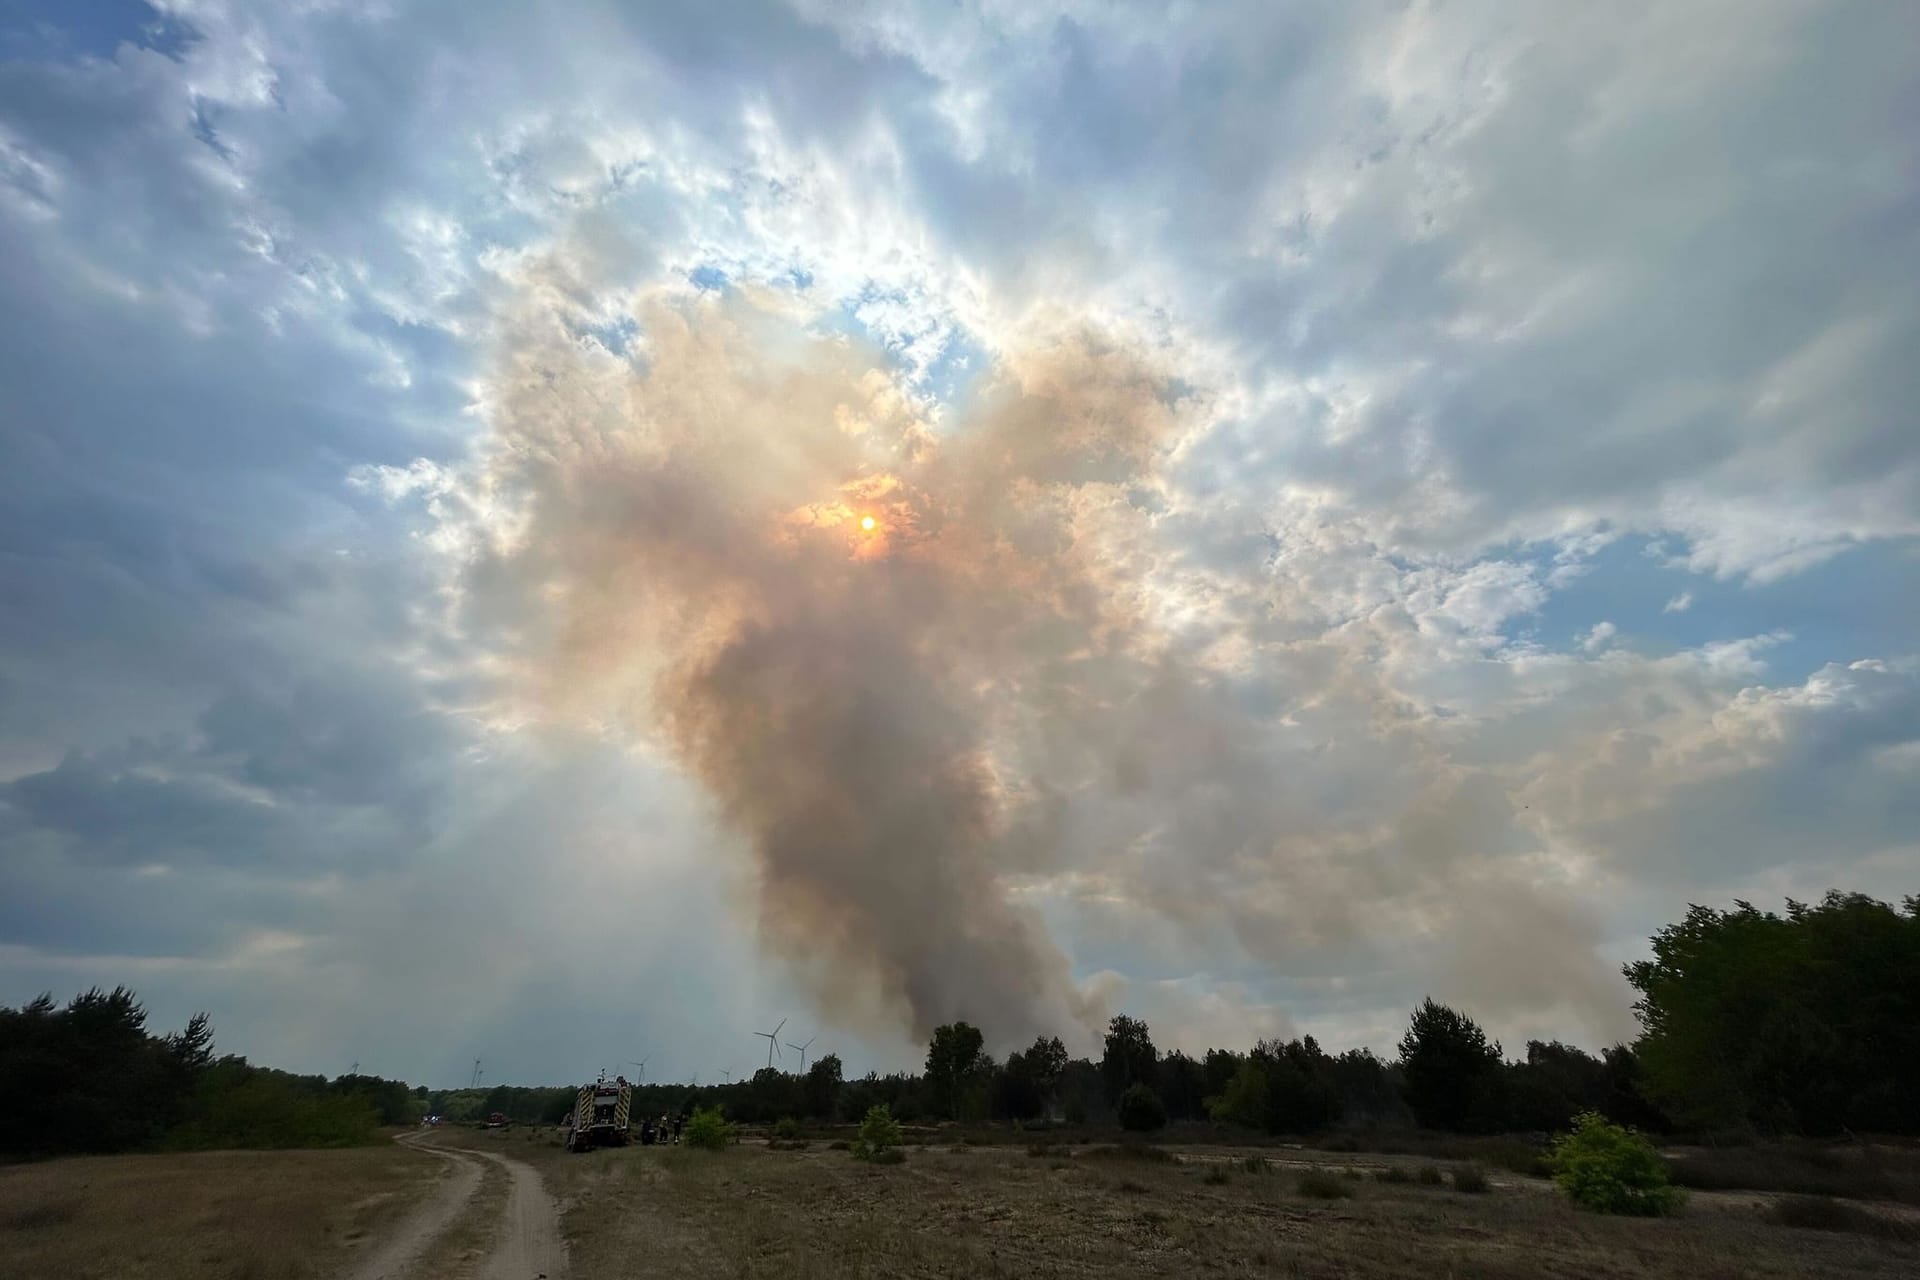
(642, 1064)
(728, 1074)
(802, 1050)
(773, 1041)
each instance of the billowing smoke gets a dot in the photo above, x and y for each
(746, 545)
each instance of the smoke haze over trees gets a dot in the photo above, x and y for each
(1801, 1023)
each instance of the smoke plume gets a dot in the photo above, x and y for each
(746, 545)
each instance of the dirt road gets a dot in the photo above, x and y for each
(525, 1246)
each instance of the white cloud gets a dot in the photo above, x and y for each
(1463, 298)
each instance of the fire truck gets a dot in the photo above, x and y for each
(599, 1116)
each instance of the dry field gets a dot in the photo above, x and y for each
(220, 1215)
(980, 1212)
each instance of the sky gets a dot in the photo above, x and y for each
(1367, 501)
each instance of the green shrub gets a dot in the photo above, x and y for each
(1430, 1176)
(1257, 1165)
(709, 1129)
(1608, 1169)
(1141, 1110)
(1216, 1176)
(1320, 1184)
(1471, 1178)
(1393, 1173)
(786, 1128)
(879, 1135)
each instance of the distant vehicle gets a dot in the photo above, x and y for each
(600, 1115)
(498, 1120)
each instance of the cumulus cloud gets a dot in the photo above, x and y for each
(433, 431)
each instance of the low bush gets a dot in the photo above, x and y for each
(839, 1144)
(1141, 1110)
(38, 1216)
(879, 1135)
(1320, 1184)
(1471, 1178)
(786, 1128)
(1823, 1213)
(1430, 1176)
(709, 1129)
(1257, 1165)
(1393, 1173)
(1865, 1171)
(1132, 1151)
(1216, 1176)
(1607, 1169)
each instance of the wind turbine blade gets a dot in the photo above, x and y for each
(776, 1030)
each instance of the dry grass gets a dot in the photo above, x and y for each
(1862, 1171)
(217, 1215)
(992, 1212)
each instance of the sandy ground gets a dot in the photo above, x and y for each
(526, 1244)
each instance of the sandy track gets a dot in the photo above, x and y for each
(526, 1247)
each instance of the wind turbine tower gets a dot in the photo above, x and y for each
(801, 1049)
(773, 1041)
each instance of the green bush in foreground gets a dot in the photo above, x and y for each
(786, 1128)
(708, 1129)
(1608, 1169)
(879, 1140)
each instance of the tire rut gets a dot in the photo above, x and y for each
(526, 1246)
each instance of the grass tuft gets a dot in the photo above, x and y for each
(34, 1217)
(1823, 1213)
(1319, 1184)
(1471, 1178)
(1141, 1151)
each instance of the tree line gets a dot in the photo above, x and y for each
(90, 1078)
(1806, 1022)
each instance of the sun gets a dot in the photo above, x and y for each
(867, 523)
